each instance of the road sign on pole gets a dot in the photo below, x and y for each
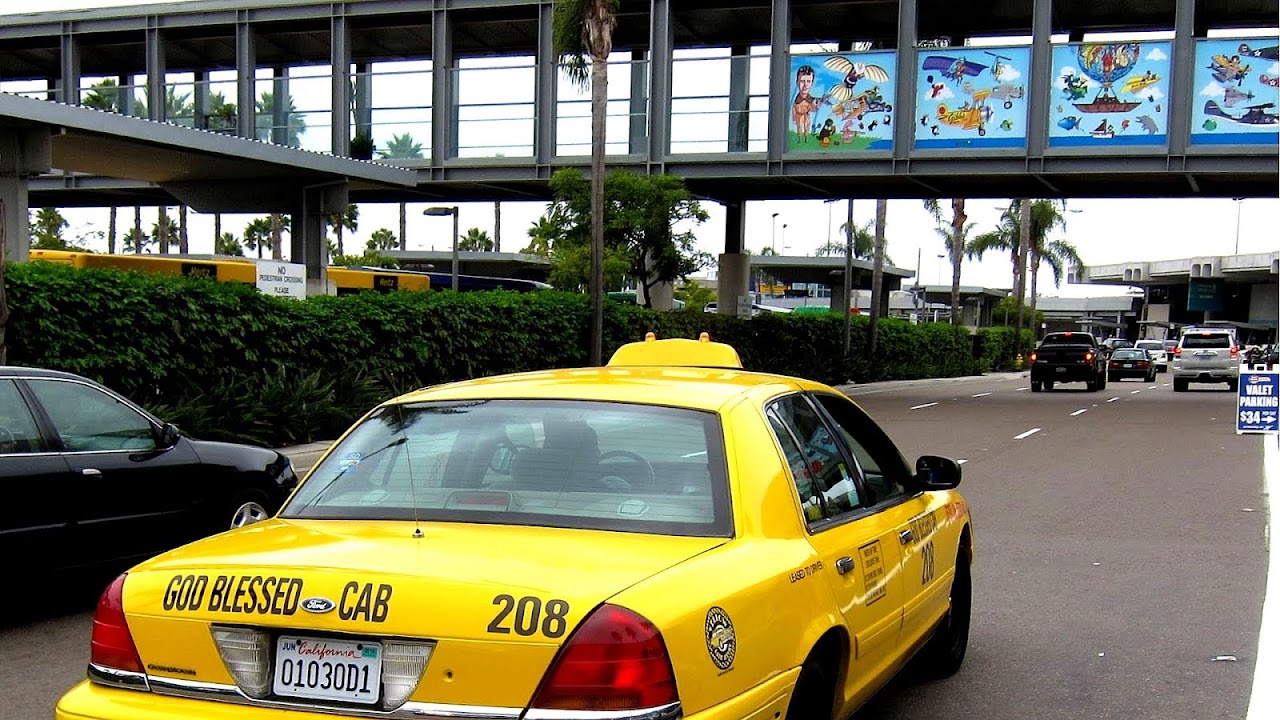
(1258, 402)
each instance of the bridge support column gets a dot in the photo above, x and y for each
(735, 266)
(444, 101)
(638, 122)
(246, 78)
(340, 85)
(307, 231)
(661, 40)
(22, 154)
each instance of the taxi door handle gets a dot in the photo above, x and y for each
(905, 536)
(91, 472)
(844, 565)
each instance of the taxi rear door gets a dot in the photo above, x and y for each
(857, 549)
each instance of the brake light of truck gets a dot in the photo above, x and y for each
(1033, 357)
(1088, 356)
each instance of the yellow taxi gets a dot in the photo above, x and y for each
(668, 536)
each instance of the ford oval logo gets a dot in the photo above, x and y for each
(317, 605)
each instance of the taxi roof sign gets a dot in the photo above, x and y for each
(676, 352)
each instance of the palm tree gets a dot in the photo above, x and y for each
(135, 240)
(1045, 217)
(381, 239)
(497, 226)
(227, 244)
(105, 95)
(164, 229)
(278, 226)
(175, 106)
(582, 29)
(476, 239)
(401, 147)
(349, 220)
(956, 239)
(257, 234)
(111, 231)
(864, 243)
(542, 237)
(182, 229)
(877, 275)
(295, 123)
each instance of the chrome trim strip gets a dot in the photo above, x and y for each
(196, 690)
(663, 712)
(112, 677)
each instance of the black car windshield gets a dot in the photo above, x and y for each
(555, 463)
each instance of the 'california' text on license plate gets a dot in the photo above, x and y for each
(326, 669)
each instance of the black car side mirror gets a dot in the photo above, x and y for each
(934, 472)
(169, 435)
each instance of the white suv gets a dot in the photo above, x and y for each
(1155, 349)
(1206, 356)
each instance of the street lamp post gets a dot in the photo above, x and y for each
(773, 234)
(441, 211)
(1239, 204)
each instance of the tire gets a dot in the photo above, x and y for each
(943, 655)
(815, 691)
(1111, 378)
(1036, 386)
(1091, 384)
(1180, 384)
(1151, 377)
(1048, 384)
(1233, 385)
(1102, 382)
(246, 508)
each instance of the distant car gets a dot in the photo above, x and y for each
(1130, 363)
(1155, 348)
(1111, 344)
(1206, 355)
(102, 480)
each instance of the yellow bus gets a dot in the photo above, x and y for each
(224, 268)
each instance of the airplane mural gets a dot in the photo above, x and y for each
(972, 97)
(1237, 86)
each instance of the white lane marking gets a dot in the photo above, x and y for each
(961, 461)
(1027, 434)
(981, 394)
(1114, 399)
(1265, 700)
(1134, 392)
(921, 407)
(1021, 389)
(1154, 387)
(1081, 411)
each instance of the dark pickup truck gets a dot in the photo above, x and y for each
(1068, 357)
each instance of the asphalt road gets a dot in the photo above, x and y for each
(1120, 550)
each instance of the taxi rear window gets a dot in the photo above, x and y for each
(552, 463)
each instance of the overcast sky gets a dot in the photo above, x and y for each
(1104, 231)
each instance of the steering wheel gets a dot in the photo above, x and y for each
(650, 476)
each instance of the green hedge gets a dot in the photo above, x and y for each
(226, 362)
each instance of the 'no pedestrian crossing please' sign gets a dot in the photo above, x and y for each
(1258, 404)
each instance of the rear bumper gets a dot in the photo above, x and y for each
(1207, 374)
(1063, 373)
(1130, 373)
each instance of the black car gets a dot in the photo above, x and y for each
(90, 478)
(1130, 362)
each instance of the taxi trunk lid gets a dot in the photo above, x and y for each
(495, 602)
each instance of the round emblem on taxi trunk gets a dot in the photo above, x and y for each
(722, 644)
(318, 605)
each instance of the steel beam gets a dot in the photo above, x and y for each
(444, 106)
(1039, 77)
(246, 77)
(779, 78)
(340, 81)
(904, 98)
(638, 113)
(1182, 75)
(364, 99)
(544, 90)
(200, 100)
(69, 68)
(156, 105)
(739, 97)
(280, 106)
(661, 41)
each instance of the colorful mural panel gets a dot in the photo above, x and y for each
(1237, 85)
(842, 102)
(1110, 94)
(972, 97)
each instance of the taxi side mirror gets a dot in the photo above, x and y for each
(934, 472)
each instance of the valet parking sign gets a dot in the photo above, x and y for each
(1258, 404)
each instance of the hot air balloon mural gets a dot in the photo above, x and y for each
(1106, 64)
(1112, 93)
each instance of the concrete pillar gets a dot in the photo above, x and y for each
(340, 85)
(156, 91)
(444, 106)
(307, 230)
(246, 79)
(23, 153)
(661, 39)
(68, 82)
(638, 121)
(739, 97)
(661, 296)
(735, 273)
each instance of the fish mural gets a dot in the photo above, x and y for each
(1106, 94)
(1237, 101)
(972, 97)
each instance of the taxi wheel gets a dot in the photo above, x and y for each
(944, 653)
(815, 690)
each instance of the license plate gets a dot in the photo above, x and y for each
(1061, 369)
(1128, 364)
(326, 669)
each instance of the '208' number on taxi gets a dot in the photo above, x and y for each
(529, 616)
(927, 555)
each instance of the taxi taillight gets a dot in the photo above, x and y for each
(616, 660)
(112, 645)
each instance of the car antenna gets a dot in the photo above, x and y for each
(408, 458)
